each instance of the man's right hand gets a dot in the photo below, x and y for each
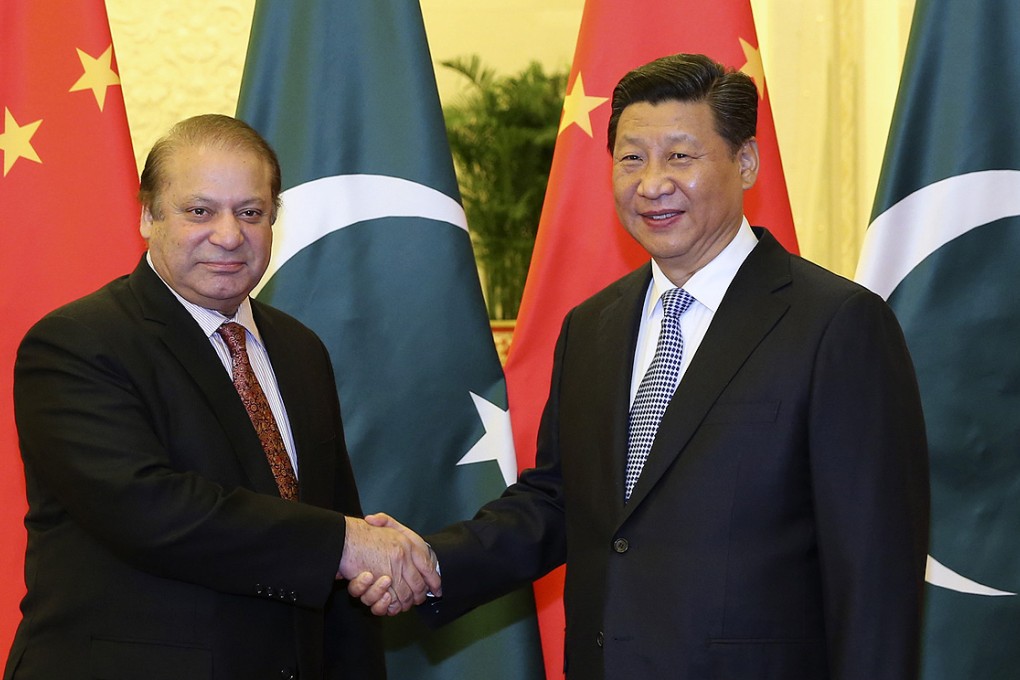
(388, 566)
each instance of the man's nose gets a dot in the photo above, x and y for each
(656, 181)
(226, 231)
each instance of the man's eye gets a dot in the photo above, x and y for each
(679, 155)
(250, 214)
(199, 212)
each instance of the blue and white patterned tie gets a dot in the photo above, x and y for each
(657, 387)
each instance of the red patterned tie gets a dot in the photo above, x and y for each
(258, 410)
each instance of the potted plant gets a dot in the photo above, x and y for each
(502, 133)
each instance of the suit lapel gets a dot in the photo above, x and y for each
(291, 369)
(748, 312)
(617, 340)
(168, 320)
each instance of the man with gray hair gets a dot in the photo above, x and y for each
(192, 509)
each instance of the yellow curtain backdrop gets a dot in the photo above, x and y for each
(832, 68)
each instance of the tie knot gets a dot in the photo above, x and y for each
(233, 334)
(675, 302)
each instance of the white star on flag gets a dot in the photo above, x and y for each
(497, 443)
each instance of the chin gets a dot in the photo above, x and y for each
(664, 246)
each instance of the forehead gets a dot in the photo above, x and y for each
(220, 166)
(669, 119)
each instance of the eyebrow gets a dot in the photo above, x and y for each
(202, 198)
(672, 137)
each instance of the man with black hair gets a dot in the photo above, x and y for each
(732, 459)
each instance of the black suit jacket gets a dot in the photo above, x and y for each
(779, 528)
(158, 546)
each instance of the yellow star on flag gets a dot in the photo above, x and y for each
(98, 75)
(753, 67)
(16, 141)
(577, 107)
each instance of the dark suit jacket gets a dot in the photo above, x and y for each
(779, 528)
(158, 546)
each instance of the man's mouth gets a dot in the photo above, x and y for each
(661, 216)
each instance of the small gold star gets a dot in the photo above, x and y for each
(577, 107)
(98, 75)
(753, 67)
(16, 141)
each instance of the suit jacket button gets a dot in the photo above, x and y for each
(270, 592)
(293, 596)
(259, 589)
(287, 674)
(600, 639)
(621, 545)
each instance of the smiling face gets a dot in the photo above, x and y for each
(678, 185)
(212, 238)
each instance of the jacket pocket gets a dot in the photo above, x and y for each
(743, 412)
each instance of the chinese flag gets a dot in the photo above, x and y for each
(68, 215)
(580, 246)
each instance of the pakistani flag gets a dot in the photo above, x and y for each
(943, 247)
(371, 250)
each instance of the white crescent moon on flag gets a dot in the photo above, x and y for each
(911, 230)
(908, 232)
(320, 207)
(317, 208)
(942, 576)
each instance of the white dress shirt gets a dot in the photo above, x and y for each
(707, 286)
(209, 320)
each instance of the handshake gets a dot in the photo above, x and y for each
(387, 566)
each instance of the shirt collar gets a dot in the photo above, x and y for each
(708, 284)
(209, 319)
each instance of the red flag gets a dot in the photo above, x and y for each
(581, 247)
(69, 218)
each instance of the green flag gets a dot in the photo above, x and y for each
(371, 250)
(943, 248)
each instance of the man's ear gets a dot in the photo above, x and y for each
(145, 223)
(747, 156)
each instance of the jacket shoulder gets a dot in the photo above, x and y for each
(98, 309)
(629, 284)
(773, 264)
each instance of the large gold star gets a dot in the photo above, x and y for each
(753, 67)
(16, 141)
(577, 107)
(98, 75)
